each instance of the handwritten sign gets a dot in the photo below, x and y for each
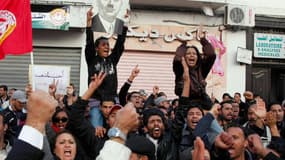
(42, 76)
(269, 45)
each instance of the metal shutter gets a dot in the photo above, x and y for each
(14, 69)
(155, 69)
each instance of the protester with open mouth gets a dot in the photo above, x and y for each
(199, 67)
(154, 122)
(64, 147)
(187, 117)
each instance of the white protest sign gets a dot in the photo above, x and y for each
(42, 76)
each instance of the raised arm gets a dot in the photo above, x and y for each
(126, 120)
(90, 47)
(29, 144)
(176, 64)
(209, 53)
(79, 125)
(183, 106)
(119, 46)
(125, 88)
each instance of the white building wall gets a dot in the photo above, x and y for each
(235, 72)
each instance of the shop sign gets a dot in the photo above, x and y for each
(269, 45)
(57, 19)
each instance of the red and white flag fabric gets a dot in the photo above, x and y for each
(15, 27)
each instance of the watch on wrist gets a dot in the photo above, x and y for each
(116, 132)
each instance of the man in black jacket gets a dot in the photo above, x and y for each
(154, 125)
(98, 60)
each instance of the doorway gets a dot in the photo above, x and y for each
(277, 93)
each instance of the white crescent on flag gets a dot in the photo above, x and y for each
(7, 24)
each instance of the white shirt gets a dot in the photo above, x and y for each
(109, 27)
(114, 150)
(32, 136)
(4, 152)
(154, 141)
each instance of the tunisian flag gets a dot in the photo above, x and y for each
(15, 27)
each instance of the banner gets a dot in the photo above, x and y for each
(57, 19)
(15, 27)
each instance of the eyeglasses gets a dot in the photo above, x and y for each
(136, 96)
(63, 120)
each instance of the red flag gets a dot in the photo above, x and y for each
(15, 27)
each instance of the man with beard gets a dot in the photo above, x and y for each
(226, 114)
(154, 126)
(256, 124)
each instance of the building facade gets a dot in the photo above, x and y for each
(152, 41)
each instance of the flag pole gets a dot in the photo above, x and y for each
(31, 71)
(32, 58)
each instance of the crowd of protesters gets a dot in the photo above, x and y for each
(104, 125)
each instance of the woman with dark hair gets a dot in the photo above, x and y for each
(199, 68)
(59, 120)
(64, 146)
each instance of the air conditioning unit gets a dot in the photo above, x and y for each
(239, 15)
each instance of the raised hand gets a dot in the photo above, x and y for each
(89, 17)
(260, 109)
(127, 119)
(52, 88)
(201, 33)
(127, 16)
(155, 90)
(224, 141)
(248, 95)
(255, 145)
(181, 51)
(271, 119)
(186, 75)
(215, 110)
(97, 80)
(40, 108)
(135, 73)
(199, 150)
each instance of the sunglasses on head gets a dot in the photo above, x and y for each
(63, 120)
